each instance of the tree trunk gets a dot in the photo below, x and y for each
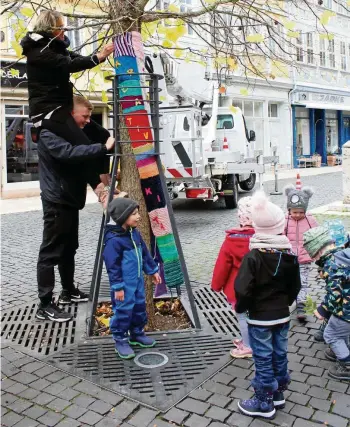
(129, 175)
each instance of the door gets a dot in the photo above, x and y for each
(346, 131)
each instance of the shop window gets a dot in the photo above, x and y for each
(21, 151)
(332, 135)
(302, 131)
(74, 35)
(273, 110)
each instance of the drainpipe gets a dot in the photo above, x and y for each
(291, 92)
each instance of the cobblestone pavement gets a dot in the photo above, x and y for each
(35, 394)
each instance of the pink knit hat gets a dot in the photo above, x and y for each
(267, 217)
(245, 211)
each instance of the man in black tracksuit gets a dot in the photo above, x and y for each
(64, 172)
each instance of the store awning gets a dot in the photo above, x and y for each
(318, 106)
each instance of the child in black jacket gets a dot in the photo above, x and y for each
(268, 282)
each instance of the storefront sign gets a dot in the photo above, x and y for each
(13, 74)
(331, 99)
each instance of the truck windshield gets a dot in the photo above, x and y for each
(224, 121)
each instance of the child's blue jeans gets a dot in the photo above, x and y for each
(269, 345)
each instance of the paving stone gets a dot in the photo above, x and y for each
(236, 371)
(319, 381)
(322, 404)
(43, 399)
(312, 361)
(298, 376)
(283, 419)
(32, 367)
(68, 394)
(68, 422)
(45, 371)
(56, 376)
(109, 397)
(83, 400)
(307, 352)
(243, 363)
(55, 389)
(313, 371)
(90, 418)
(50, 419)
(301, 399)
(10, 419)
(217, 387)
(342, 407)
(299, 387)
(288, 406)
(294, 366)
(241, 393)
(217, 424)
(101, 407)
(259, 423)
(294, 357)
(142, 417)
(302, 411)
(27, 422)
(337, 386)
(300, 422)
(8, 398)
(176, 415)
(217, 413)
(219, 400)
(123, 410)
(110, 422)
(74, 411)
(58, 404)
(155, 423)
(318, 392)
(239, 420)
(35, 412)
(223, 378)
(329, 419)
(200, 394)
(194, 406)
(29, 393)
(40, 384)
(24, 378)
(87, 388)
(7, 383)
(197, 421)
(20, 405)
(304, 344)
(241, 383)
(69, 381)
(17, 388)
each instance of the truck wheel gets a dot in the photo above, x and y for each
(231, 186)
(249, 183)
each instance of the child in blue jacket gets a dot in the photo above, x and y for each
(127, 258)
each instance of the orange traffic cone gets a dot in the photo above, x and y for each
(225, 145)
(298, 183)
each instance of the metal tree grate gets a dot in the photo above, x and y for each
(217, 312)
(36, 337)
(193, 358)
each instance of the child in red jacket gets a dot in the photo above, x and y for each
(234, 248)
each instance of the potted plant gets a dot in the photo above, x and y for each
(331, 159)
(317, 159)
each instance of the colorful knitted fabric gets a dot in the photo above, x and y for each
(129, 61)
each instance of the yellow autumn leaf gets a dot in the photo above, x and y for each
(294, 34)
(279, 69)
(27, 11)
(104, 97)
(103, 320)
(232, 64)
(290, 25)
(255, 38)
(187, 59)
(17, 48)
(243, 91)
(162, 98)
(14, 72)
(174, 33)
(233, 109)
(173, 8)
(167, 43)
(203, 63)
(147, 30)
(326, 16)
(348, 3)
(178, 53)
(326, 36)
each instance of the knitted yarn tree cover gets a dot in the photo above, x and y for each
(129, 61)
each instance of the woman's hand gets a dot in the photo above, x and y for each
(119, 295)
(106, 51)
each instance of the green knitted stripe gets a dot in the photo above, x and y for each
(167, 248)
(173, 274)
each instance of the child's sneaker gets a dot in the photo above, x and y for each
(241, 352)
(301, 313)
(318, 335)
(237, 342)
(142, 340)
(330, 355)
(123, 349)
(340, 371)
(260, 405)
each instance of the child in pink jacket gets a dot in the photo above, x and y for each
(298, 221)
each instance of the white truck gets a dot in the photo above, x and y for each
(206, 149)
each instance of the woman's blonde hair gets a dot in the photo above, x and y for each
(47, 21)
